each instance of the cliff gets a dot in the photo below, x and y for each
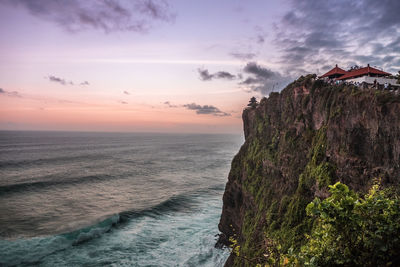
(298, 142)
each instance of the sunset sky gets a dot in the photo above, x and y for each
(174, 66)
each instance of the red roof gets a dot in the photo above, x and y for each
(335, 70)
(363, 71)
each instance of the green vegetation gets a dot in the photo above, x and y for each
(353, 231)
(349, 230)
(280, 215)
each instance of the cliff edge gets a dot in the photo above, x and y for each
(298, 142)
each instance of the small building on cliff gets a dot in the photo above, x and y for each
(334, 73)
(368, 75)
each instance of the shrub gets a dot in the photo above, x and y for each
(352, 230)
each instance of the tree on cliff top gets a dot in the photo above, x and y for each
(253, 102)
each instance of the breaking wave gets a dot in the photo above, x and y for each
(42, 250)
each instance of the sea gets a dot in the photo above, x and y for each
(112, 199)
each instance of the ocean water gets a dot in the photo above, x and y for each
(112, 199)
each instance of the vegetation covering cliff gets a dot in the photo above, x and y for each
(297, 143)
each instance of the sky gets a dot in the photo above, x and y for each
(175, 66)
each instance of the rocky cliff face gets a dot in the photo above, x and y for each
(298, 142)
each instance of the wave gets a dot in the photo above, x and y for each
(52, 160)
(86, 234)
(173, 204)
(176, 203)
(184, 202)
(35, 185)
(34, 250)
(44, 184)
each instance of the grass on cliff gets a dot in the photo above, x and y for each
(283, 218)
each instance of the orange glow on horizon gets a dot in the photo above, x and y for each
(69, 115)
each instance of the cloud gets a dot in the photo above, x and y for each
(170, 105)
(260, 39)
(243, 56)
(9, 93)
(57, 80)
(63, 81)
(258, 71)
(206, 76)
(106, 15)
(123, 102)
(313, 33)
(206, 109)
(262, 79)
(126, 92)
(224, 75)
(261, 34)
